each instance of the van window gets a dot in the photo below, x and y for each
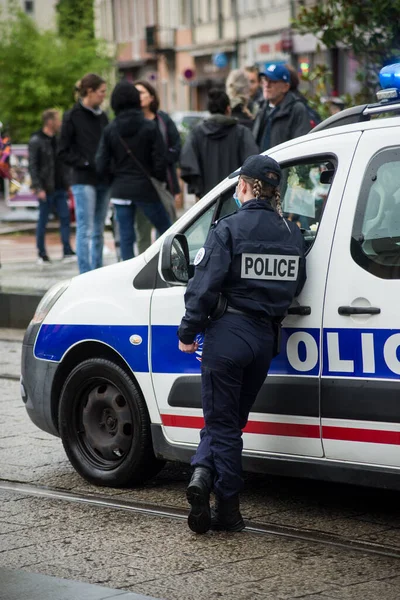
(197, 232)
(304, 191)
(375, 242)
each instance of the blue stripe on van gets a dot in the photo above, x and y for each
(167, 358)
(356, 353)
(54, 341)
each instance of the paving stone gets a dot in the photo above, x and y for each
(385, 589)
(6, 527)
(326, 522)
(390, 537)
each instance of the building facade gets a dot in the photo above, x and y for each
(184, 47)
(43, 12)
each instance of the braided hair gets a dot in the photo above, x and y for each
(270, 192)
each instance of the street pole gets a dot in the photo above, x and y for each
(236, 17)
(293, 56)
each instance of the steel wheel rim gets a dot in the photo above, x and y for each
(103, 423)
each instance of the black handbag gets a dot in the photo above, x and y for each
(166, 198)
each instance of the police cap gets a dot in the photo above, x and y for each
(260, 166)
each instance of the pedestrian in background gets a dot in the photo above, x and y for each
(80, 135)
(49, 182)
(335, 105)
(256, 97)
(238, 90)
(150, 103)
(294, 88)
(240, 341)
(215, 147)
(133, 145)
(283, 115)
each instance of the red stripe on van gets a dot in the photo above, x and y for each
(351, 434)
(270, 428)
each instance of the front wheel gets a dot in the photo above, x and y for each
(105, 426)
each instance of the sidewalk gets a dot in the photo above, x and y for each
(22, 281)
(20, 585)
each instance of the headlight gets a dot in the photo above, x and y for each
(49, 300)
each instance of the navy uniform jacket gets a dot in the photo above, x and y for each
(255, 258)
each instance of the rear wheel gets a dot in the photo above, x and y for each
(105, 426)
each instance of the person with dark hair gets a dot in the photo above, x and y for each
(133, 145)
(216, 147)
(294, 88)
(80, 135)
(49, 182)
(150, 103)
(246, 276)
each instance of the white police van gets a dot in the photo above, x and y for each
(101, 366)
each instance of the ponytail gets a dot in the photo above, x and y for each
(262, 190)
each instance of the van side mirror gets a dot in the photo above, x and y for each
(174, 266)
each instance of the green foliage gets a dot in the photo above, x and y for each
(39, 69)
(75, 17)
(371, 29)
(320, 79)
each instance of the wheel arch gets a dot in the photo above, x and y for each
(77, 354)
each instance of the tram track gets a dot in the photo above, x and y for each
(154, 510)
(10, 377)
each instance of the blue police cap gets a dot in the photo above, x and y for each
(260, 166)
(277, 73)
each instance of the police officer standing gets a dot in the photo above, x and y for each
(247, 274)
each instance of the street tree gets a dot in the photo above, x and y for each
(369, 28)
(38, 70)
(75, 17)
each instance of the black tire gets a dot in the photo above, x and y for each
(105, 426)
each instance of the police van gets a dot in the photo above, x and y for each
(101, 366)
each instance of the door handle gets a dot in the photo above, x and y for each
(358, 310)
(299, 310)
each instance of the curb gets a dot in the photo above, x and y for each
(17, 308)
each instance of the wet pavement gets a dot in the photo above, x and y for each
(19, 268)
(160, 557)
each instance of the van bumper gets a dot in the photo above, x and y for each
(37, 378)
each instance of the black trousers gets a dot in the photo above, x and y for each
(237, 354)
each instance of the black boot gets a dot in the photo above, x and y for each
(226, 516)
(198, 495)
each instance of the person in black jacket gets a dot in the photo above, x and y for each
(150, 102)
(134, 148)
(251, 267)
(283, 115)
(80, 135)
(49, 182)
(216, 147)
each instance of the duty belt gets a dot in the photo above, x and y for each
(236, 311)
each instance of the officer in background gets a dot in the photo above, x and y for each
(247, 274)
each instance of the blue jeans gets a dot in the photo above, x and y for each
(154, 211)
(91, 203)
(59, 201)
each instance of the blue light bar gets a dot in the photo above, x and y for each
(389, 77)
